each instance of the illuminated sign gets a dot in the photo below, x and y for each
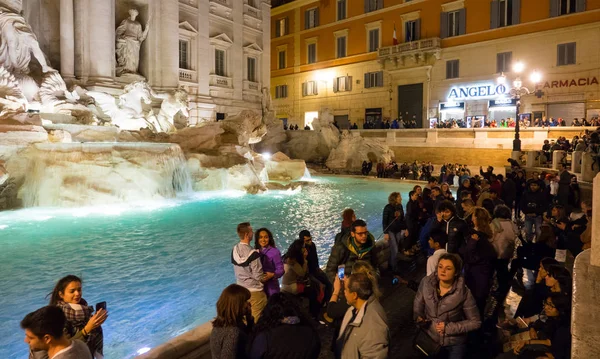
(583, 81)
(502, 102)
(477, 92)
(452, 106)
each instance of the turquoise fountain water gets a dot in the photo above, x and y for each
(160, 265)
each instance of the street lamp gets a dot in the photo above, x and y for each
(516, 91)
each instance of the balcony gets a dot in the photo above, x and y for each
(220, 81)
(252, 11)
(187, 75)
(221, 8)
(411, 54)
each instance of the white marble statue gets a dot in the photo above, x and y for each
(130, 36)
(172, 104)
(127, 112)
(12, 100)
(266, 100)
(17, 40)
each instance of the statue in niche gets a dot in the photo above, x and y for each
(130, 37)
(17, 41)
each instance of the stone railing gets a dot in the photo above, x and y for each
(408, 48)
(220, 81)
(251, 86)
(187, 75)
(252, 11)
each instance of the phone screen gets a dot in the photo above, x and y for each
(341, 272)
(101, 305)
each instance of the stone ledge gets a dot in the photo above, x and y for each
(193, 344)
(586, 296)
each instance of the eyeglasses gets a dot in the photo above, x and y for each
(549, 304)
(361, 233)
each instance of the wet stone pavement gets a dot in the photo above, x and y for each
(397, 300)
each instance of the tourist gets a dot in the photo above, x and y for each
(503, 241)
(248, 269)
(232, 325)
(509, 190)
(445, 188)
(413, 214)
(586, 236)
(394, 227)
(284, 331)
(558, 279)
(348, 217)
(364, 332)
(564, 184)
(445, 308)
(80, 323)
(468, 207)
(314, 269)
(533, 205)
(359, 244)
(270, 259)
(437, 242)
(532, 302)
(454, 227)
(45, 335)
(479, 258)
(296, 280)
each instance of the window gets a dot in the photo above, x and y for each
(452, 69)
(311, 53)
(220, 62)
(453, 23)
(252, 3)
(252, 69)
(281, 57)
(566, 54)
(311, 18)
(374, 79)
(309, 88)
(281, 91)
(503, 62)
(281, 27)
(373, 40)
(184, 54)
(341, 46)
(412, 30)
(566, 7)
(504, 13)
(372, 5)
(341, 10)
(341, 84)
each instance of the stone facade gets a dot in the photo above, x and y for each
(78, 37)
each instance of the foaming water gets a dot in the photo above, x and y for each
(160, 265)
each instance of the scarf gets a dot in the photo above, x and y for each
(360, 251)
(290, 320)
(77, 317)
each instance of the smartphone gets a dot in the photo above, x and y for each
(101, 305)
(341, 271)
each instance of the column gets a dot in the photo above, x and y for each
(557, 157)
(236, 53)
(266, 45)
(576, 161)
(533, 158)
(587, 172)
(67, 39)
(99, 49)
(203, 42)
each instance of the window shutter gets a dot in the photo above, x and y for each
(417, 34)
(284, 91)
(306, 20)
(462, 22)
(571, 53)
(499, 63)
(287, 26)
(304, 85)
(277, 28)
(444, 25)
(448, 69)
(580, 5)
(335, 84)
(316, 17)
(315, 88)
(348, 83)
(494, 14)
(366, 81)
(379, 4)
(516, 12)
(554, 8)
(380, 79)
(457, 68)
(367, 6)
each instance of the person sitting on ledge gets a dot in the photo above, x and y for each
(233, 324)
(44, 333)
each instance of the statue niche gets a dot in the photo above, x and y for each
(129, 38)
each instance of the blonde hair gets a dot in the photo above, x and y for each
(369, 271)
(393, 196)
(483, 220)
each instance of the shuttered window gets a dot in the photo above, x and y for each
(503, 62)
(251, 69)
(566, 54)
(412, 30)
(184, 54)
(341, 9)
(220, 62)
(341, 46)
(374, 79)
(311, 18)
(309, 88)
(311, 53)
(341, 84)
(282, 60)
(504, 13)
(566, 7)
(281, 91)
(373, 40)
(453, 23)
(452, 68)
(372, 5)
(281, 27)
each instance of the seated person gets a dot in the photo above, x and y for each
(295, 280)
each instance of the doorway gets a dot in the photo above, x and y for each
(410, 103)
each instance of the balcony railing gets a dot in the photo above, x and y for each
(252, 11)
(407, 48)
(187, 75)
(252, 86)
(220, 81)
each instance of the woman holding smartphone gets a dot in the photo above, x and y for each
(81, 324)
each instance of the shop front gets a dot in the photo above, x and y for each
(502, 109)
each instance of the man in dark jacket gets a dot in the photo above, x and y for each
(359, 244)
(509, 191)
(451, 224)
(313, 264)
(487, 174)
(564, 184)
(533, 204)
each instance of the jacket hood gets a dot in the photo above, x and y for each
(347, 240)
(243, 260)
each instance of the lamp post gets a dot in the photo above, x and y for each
(516, 91)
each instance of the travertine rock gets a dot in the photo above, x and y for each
(272, 142)
(353, 150)
(21, 135)
(199, 139)
(316, 145)
(281, 168)
(59, 136)
(247, 126)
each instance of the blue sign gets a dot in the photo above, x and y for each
(477, 92)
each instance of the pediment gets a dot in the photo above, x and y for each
(253, 48)
(186, 26)
(221, 40)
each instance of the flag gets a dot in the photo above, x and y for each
(395, 38)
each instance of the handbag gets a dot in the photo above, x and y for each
(424, 343)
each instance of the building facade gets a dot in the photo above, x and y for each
(218, 50)
(443, 62)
